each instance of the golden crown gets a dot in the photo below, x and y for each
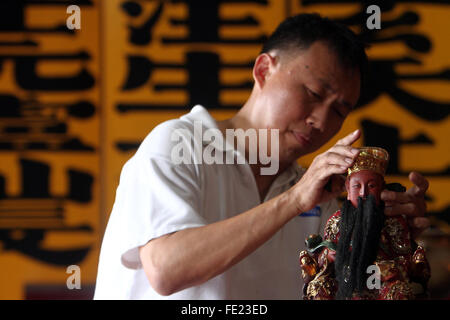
(370, 158)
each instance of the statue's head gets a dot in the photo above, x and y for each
(366, 176)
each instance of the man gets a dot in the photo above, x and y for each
(359, 238)
(225, 231)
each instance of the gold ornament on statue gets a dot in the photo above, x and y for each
(371, 158)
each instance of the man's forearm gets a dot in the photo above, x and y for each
(193, 256)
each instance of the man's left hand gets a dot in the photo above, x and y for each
(410, 203)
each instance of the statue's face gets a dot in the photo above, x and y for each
(363, 183)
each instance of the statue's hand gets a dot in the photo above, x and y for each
(410, 203)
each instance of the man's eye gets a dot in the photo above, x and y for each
(314, 94)
(338, 112)
(356, 186)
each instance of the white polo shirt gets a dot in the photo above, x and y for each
(156, 197)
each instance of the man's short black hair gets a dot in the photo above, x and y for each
(301, 31)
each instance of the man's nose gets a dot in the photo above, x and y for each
(318, 116)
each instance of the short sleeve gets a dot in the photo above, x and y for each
(155, 197)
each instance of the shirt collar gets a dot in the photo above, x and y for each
(199, 113)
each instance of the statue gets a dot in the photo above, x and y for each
(363, 253)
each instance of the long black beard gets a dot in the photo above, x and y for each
(360, 230)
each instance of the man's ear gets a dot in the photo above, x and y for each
(263, 68)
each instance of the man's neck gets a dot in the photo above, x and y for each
(263, 182)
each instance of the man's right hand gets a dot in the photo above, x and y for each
(311, 189)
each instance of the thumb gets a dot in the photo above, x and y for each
(420, 183)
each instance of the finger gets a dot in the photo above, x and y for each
(321, 170)
(408, 209)
(420, 222)
(389, 203)
(333, 169)
(349, 139)
(421, 184)
(418, 225)
(347, 151)
(395, 197)
(331, 158)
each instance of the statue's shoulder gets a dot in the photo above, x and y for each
(331, 232)
(337, 214)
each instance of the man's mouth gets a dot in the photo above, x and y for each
(303, 139)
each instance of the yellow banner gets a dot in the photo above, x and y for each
(76, 101)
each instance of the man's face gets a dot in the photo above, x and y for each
(363, 183)
(306, 95)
